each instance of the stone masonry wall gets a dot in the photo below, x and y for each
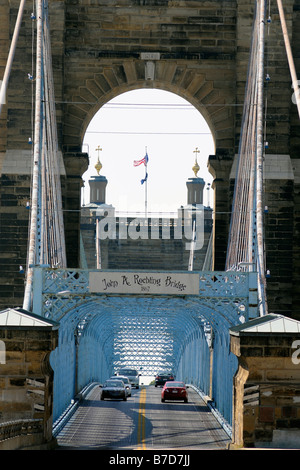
(204, 51)
(26, 377)
(267, 391)
(14, 216)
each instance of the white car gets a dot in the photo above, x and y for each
(132, 374)
(126, 382)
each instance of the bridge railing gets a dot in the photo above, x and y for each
(18, 428)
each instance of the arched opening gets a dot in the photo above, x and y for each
(165, 125)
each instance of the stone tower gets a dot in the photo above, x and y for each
(195, 186)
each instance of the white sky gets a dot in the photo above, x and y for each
(170, 128)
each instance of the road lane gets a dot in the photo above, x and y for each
(99, 424)
(179, 425)
(141, 420)
(143, 423)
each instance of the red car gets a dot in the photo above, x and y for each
(174, 391)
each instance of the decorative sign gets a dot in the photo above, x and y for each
(167, 283)
(150, 55)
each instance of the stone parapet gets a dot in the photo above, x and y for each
(26, 377)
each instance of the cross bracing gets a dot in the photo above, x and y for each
(147, 332)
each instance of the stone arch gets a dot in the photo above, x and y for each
(188, 81)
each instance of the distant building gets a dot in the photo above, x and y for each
(145, 243)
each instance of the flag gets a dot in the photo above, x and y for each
(143, 160)
(145, 179)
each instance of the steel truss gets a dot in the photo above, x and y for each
(99, 333)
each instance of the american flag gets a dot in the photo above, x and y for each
(143, 160)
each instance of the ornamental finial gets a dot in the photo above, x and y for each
(98, 165)
(196, 167)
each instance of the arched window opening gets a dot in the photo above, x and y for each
(165, 126)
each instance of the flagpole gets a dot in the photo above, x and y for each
(145, 162)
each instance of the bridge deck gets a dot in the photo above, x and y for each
(143, 423)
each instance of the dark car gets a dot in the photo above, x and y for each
(126, 383)
(114, 389)
(162, 377)
(174, 391)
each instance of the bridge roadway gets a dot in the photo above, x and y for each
(142, 422)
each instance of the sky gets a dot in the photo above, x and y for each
(165, 126)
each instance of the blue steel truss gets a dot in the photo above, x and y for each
(100, 333)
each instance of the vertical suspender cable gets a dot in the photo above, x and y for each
(289, 54)
(259, 163)
(251, 205)
(246, 230)
(36, 162)
(193, 242)
(241, 238)
(53, 151)
(11, 54)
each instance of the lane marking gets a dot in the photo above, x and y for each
(141, 421)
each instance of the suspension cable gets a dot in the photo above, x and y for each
(46, 233)
(259, 165)
(11, 55)
(36, 162)
(242, 223)
(246, 235)
(289, 54)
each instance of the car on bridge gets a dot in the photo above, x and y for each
(132, 375)
(174, 391)
(126, 382)
(113, 389)
(163, 376)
